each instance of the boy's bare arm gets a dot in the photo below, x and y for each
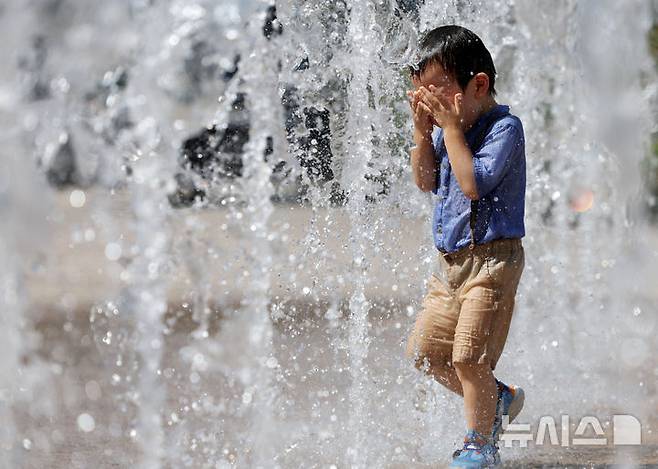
(449, 116)
(423, 163)
(461, 160)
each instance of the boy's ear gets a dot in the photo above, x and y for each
(481, 81)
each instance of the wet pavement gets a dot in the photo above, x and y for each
(81, 412)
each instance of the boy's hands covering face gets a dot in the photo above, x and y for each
(422, 115)
(444, 111)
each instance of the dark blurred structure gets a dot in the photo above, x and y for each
(210, 157)
(216, 155)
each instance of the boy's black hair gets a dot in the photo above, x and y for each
(460, 52)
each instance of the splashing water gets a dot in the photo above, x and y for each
(214, 251)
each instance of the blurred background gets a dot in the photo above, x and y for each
(213, 250)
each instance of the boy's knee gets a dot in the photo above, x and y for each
(423, 357)
(471, 368)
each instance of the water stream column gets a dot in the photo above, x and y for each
(359, 147)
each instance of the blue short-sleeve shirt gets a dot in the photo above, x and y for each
(500, 175)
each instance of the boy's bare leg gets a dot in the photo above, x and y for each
(480, 395)
(447, 376)
(439, 370)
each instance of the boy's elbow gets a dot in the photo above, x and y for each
(472, 193)
(471, 188)
(425, 186)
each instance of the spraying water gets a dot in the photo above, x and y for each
(229, 248)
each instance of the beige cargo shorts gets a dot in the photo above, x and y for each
(467, 311)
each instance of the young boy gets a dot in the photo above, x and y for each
(475, 163)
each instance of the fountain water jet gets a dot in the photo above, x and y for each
(286, 385)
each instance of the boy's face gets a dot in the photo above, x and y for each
(475, 91)
(435, 75)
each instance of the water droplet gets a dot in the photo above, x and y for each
(86, 423)
(113, 251)
(77, 198)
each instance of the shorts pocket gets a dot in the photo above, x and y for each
(503, 268)
(495, 266)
